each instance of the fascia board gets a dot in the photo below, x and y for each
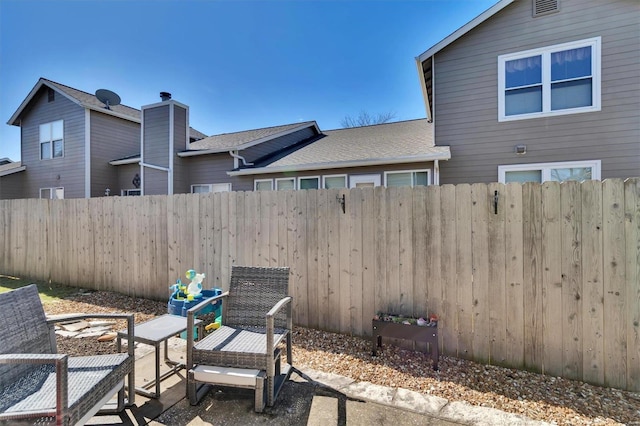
(465, 29)
(274, 136)
(342, 164)
(13, 121)
(111, 112)
(135, 160)
(12, 171)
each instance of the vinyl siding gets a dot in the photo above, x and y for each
(126, 173)
(156, 136)
(11, 186)
(212, 168)
(266, 148)
(181, 183)
(155, 182)
(68, 171)
(111, 138)
(466, 93)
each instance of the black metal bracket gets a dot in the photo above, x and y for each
(495, 202)
(342, 202)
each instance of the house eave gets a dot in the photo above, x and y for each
(464, 29)
(341, 164)
(122, 162)
(12, 171)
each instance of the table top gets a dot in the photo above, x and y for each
(159, 329)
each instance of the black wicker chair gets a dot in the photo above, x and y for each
(39, 386)
(245, 351)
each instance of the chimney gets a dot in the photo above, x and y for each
(165, 96)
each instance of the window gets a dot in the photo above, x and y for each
(554, 80)
(285, 184)
(334, 181)
(52, 193)
(309, 182)
(51, 140)
(557, 172)
(263, 185)
(131, 192)
(407, 178)
(210, 187)
(363, 181)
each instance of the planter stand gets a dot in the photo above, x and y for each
(416, 333)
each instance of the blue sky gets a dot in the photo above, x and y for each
(238, 64)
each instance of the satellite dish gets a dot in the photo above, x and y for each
(107, 97)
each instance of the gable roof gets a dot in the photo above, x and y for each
(464, 29)
(390, 143)
(86, 100)
(242, 140)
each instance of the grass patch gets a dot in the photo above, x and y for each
(49, 292)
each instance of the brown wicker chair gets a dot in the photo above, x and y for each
(39, 386)
(244, 352)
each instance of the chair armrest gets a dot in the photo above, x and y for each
(191, 323)
(128, 317)
(286, 301)
(62, 367)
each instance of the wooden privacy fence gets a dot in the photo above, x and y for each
(543, 277)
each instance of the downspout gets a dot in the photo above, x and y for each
(237, 157)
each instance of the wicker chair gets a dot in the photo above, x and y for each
(39, 386)
(244, 352)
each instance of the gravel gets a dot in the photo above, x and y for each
(546, 398)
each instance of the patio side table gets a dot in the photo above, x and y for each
(154, 332)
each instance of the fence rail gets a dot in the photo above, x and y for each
(538, 276)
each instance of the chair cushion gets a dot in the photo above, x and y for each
(236, 347)
(89, 380)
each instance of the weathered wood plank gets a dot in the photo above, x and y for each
(614, 335)
(514, 275)
(592, 281)
(368, 259)
(481, 338)
(496, 274)
(532, 274)
(405, 249)
(355, 260)
(343, 264)
(323, 206)
(464, 271)
(433, 238)
(632, 281)
(448, 324)
(552, 317)
(421, 285)
(311, 257)
(380, 268)
(571, 213)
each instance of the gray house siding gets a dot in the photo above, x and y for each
(180, 165)
(212, 168)
(266, 148)
(466, 93)
(68, 171)
(11, 186)
(156, 136)
(155, 182)
(126, 173)
(111, 138)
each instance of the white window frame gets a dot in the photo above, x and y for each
(256, 181)
(213, 187)
(546, 168)
(324, 180)
(371, 178)
(131, 192)
(413, 180)
(545, 53)
(300, 178)
(53, 191)
(290, 179)
(50, 140)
